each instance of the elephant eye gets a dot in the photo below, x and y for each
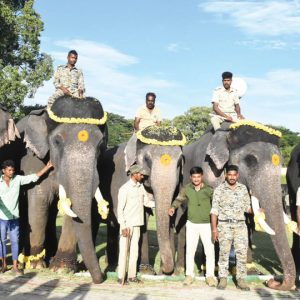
(58, 140)
(250, 160)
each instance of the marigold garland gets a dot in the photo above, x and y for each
(257, 126)
(59, 205)
(67, 120)
(256, 217)
(23, 259)
(103, 209)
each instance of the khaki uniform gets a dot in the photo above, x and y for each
(226, 101)
(132, 198)
(148, 118)
(72, 79)
(230, 205)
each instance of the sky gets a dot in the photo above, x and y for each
(179, 49)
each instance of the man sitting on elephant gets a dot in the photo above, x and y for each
(132, 198)
(68, 80)
(225, 103)
(198, 196)
(146, 115)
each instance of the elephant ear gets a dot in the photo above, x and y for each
(218, 150)
(36, 133)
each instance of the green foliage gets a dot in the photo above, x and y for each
(194, 122)
(119, 129)
(288, 141)
(22, 67)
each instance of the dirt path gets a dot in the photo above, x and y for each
(33, 286)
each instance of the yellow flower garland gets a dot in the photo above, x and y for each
(150, 141)
(292, 226)
(257, 225)
(91, 121)
(256, 125)
(103, 209)
(28, 259)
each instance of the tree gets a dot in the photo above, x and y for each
(119, 129)
(22, 67)
(194, 122)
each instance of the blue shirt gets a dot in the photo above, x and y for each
(9, 195)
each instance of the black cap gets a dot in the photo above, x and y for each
(226, 75)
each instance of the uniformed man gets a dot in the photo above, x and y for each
(198, 196)
(68, 80)
(146, 115)
(226, 103)
(231, 201)
(132, 198)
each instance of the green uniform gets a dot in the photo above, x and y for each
(198, 202)
(230, 205)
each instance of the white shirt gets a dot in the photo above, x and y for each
(132, 198)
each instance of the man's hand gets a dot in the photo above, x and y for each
(229, 118)
(215, 236)
(65, 90)
(80, 93)
(49, 165)
(241, 117)
(171, 211)
(125, 232)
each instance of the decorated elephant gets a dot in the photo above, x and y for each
(73, 134)
(293, 182)
(254, 148)
(159, 151)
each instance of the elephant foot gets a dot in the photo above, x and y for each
(179, 271)
(281, 286)
(38, 265)
(64, 263)
(146, 269)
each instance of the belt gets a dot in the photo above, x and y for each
(231, 221)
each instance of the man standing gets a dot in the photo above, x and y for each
(198, 196)
(131, 201)
(231, 201)
(9, 209)
(68, 80)
(226, 103)
(146, 115)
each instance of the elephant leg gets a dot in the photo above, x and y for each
(37, 221)
(112, 248)
(180, 261)
(66, 256)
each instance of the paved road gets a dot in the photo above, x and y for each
(44, 286)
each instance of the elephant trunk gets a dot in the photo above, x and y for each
(269, 196)
(164, 187)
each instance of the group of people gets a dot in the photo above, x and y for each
(212, 215)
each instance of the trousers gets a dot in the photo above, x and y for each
(13, 227)
(217, 120)
(193, 232)
(133, 253)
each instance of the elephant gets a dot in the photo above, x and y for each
(254, 148)
(162, 157)
(293, 182)
(73, 134)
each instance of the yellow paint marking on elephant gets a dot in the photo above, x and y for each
(23, 259)
(83, 136)
(165, 159)
(275, 159)
(59, 205)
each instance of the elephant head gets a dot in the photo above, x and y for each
(8, 130)
(74, 133)
(159, 151)
(255, 149)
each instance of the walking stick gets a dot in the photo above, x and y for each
(127, 246)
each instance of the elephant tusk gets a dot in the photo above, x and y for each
(259, 216)
(102, 204)
(64, 205)
(292, 225)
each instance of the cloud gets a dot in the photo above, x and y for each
(105, 77)
(269, 18)
(175, 47)
(266, 44)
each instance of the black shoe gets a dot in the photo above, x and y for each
(120, 281)
(135, 280)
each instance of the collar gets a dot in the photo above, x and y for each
(74, 68)
(228, 186)
(193, 187)
(2, 180)
(132, 183)
(231, 90)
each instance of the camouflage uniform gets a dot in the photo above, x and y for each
(72, 79)
(230, 205)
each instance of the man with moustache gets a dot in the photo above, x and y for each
(226, 103)
(230, 202)
(68, 80)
